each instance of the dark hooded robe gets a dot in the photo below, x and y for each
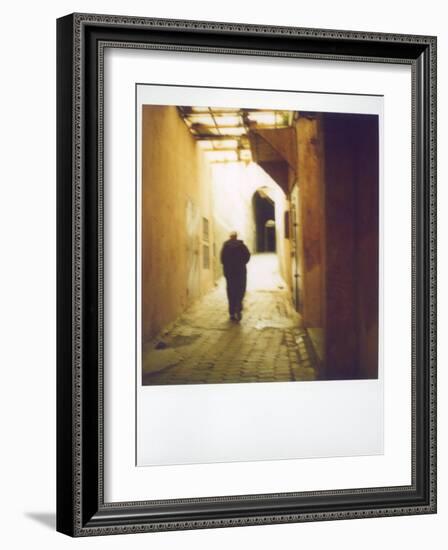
(234, 257)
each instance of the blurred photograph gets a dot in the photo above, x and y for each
(259, 245)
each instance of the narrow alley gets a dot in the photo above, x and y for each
(300, 190)
(204, 346)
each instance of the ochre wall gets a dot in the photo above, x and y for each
(310, 217)
(176, 196)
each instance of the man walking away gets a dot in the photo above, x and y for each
(234, 257)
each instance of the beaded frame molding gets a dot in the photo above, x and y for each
(81, 39)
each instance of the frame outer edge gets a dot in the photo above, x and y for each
(65, 370)
(245, 28)
(70, 516)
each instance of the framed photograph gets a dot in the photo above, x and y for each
(246, 274)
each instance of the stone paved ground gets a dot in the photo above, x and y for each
(204, 347)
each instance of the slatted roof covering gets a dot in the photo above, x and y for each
(222, 132)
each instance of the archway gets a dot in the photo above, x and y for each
(269, 236)
(264, 221)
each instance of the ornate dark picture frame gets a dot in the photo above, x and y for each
(81, 509)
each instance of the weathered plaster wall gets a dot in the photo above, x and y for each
(176, 196)
(310, 219)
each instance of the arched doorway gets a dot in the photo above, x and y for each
(269, 236)
(264, 221)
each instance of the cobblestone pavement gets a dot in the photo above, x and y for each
(204, 347)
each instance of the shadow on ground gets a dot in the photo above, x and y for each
(48, 519)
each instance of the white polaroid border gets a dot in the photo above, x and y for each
(253, 422)
(186, 424)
